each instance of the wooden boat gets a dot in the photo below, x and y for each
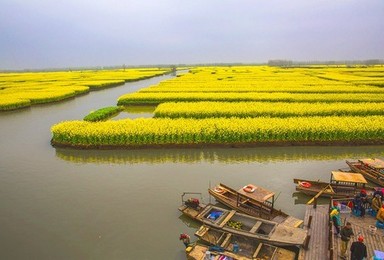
(248, 248)
(252, 227)
(372, 169)
(199, 251)
(254, 201)
(341, 185)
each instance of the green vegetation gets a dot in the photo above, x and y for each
(102, 114)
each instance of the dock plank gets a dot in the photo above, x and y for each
(361, 226)
(318, 232)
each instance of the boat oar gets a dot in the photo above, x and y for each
(318, 194)
(330, 187)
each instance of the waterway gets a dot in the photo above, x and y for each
(78, 204)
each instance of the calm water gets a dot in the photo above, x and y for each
(68, 204)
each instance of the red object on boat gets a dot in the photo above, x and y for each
(305, 184)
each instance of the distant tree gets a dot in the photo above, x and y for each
(372, 62)
(282, 63)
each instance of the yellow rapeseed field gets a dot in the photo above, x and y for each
(162, 131)
(265, 109)
(246, 105)
(19, 90)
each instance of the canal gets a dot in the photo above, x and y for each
(122, 204)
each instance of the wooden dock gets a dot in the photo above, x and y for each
(316, 222)
(361, 225)
(323, 244)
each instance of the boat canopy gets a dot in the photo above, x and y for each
(374, 163)
(259, 194)
(348, 177)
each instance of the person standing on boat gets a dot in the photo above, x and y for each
(335, 216)
(380, 215)
(358, 206)
(377, 203)
(364, 198)
(379, 191)
(346, 233)
(185, 238)
(358, 249)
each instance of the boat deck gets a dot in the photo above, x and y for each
(289, 221)
(320, 236)
(258, 203)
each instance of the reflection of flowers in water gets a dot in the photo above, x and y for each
(134, 156)
(224, 155)
(136, 111)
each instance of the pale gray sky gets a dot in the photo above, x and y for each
(70, 33)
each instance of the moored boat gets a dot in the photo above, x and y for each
(253, 200)
(199, 251)
(372, 169)
(240, 224)
(245, 248)
(341, 185)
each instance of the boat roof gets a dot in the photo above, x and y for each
(348, 177)
(260, 194)
(374, 163)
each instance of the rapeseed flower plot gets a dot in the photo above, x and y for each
(246, 105)
(24, 89)
(157, 98)
(141, 132)
(265, 109)
(345, 88)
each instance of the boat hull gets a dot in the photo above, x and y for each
(249, 248)
(371, 175)
(317, 186)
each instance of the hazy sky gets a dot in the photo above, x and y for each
(71, 33)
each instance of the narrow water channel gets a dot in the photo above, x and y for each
(77, 204)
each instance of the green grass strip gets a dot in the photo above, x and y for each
(102, 114)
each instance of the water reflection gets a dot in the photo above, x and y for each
(189, 222)
(134, 112)
(225, 155)
(302, 199)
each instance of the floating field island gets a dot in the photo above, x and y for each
(245, 106)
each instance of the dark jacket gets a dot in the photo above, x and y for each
(358, 251)
(346, 233)
(378, 192)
